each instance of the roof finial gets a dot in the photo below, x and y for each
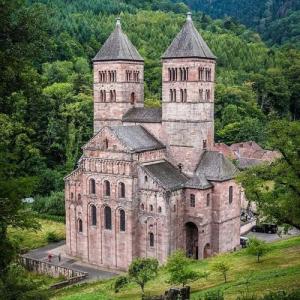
(189, 16)
(118, 23)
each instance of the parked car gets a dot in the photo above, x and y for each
(266, 228)
(243, 241)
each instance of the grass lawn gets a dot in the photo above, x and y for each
(279, 269)
(29, 239)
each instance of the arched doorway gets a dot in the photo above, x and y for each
(191, 240)
(207, 251)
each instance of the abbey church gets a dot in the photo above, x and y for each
(151, 181)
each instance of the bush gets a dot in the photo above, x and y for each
(52, 237)
(120, 282)
(50, 205)
(214, 295)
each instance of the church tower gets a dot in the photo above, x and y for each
(118, 79)
(188, 75)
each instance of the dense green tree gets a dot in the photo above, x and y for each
(275, 188)
(141, 270)
(178, 267)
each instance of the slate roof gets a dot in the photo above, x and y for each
(216, 167)
(188, 43)
(167, 175)
(198, 182)
(143, 115)
(118, 47)
(136, 138)
(245, 163)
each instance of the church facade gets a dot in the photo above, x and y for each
(149, 181)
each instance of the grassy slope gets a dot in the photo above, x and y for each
(279, 269)
(28, 239)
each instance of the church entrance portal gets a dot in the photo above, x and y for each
(191, 240)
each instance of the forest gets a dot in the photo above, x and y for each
(46, 107)
(46, 83)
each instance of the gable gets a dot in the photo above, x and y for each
(105, 140)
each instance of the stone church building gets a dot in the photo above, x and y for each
(149, 181)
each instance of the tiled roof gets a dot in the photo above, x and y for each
(136, 138)
(198, 182)
(245, 163)
(143, 115)
(216, 167)
(188, 43)
(118, 47)
(167, 175)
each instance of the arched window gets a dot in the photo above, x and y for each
(106, 188)
(122, 220)
(151, 207)
(132, 98)
(107, 217)
(230, 194)
(192, 200)
(174, 208)
(207, 199)
(185, 95)
(92, 186)
(79, 197)
(72, 195)
(103, 96)
(111, 94)
(201, 71)
(201, 94)
(121, 190)
(142, 206)
(79, 225)
(115, 96)
(106, 144)
(181, 95)
(207, 94)
(174, 95)
(94, 215)
(151, 239)
(170, 75)
(159, 209)
(146, 178)
(171, 95)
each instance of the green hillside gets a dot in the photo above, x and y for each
(279, 270)
(276, 20)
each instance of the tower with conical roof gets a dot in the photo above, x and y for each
(188, 75)
(118, 79)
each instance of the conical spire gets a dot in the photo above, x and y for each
(188, 43)
(118, 47)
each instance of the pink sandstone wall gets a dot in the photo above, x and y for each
(110, 112)
(187, 124)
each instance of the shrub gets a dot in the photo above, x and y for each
(213, 295)
(50, 205)
(52, 237)
(120, 282)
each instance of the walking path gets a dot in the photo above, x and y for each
(95, 273)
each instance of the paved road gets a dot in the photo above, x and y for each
(273, 237)
(55, 249)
